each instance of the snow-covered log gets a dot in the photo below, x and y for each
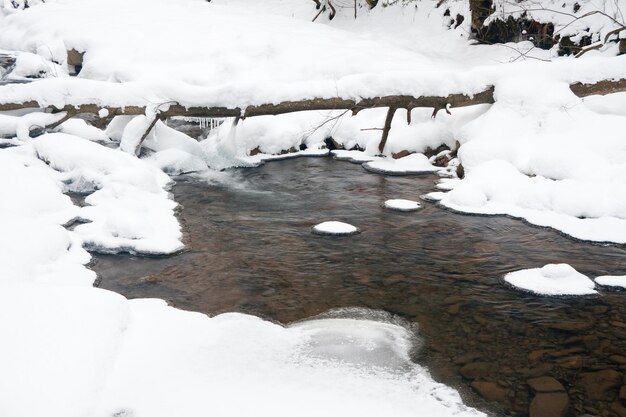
(335, 103)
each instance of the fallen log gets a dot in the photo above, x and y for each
(600, 88)
(393, 103)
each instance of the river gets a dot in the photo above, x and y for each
(250, 249)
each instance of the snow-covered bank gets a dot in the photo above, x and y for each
(91, 352)
(547, 158)
(142, 358)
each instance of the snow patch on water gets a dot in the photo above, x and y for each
(612, 281)
(552, 279)
(402, 205)
(335, 228)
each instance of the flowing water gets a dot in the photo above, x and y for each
(251, 250)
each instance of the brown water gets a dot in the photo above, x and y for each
(250, 250)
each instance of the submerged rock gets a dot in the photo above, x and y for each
(545, 384)
(554, 404)
(601, 385)
(490, 391)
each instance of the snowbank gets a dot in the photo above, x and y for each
(143, 358)
(87, 351)
(128, 208)
(552, 279)
(541, 154)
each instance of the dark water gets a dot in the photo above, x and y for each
(250, 250)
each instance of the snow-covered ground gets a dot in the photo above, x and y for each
(540, 153)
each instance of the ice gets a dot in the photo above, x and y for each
(402, 205)
(335, 228)
(552, 279)
(612, 281)
(412, 164)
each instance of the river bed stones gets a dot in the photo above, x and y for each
(552, 404)
(601, 385)
(545, 384)
(490, 391)
(475, 370)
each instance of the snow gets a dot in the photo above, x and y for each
(88, 351)
(552, 279)
(561, 166)
(335, 228)
(79, 127)
(416, 163)
(612, 281)
(402, 205)
(128, 208)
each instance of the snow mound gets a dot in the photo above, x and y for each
(413, 164)
(128, 208)
(335, 228)
(402, 205)
(79, 127)
(612, 281)
(552, 279)
(176, 162)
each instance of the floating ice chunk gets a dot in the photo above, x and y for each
(612, 280)
(335, 228)
(552, 279)
(416, 163)
(402, 205)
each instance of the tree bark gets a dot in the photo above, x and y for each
(600, 88)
